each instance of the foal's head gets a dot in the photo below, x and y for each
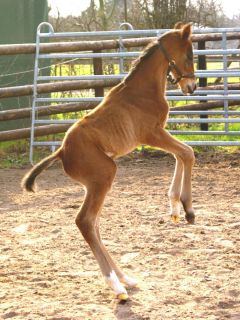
(176, 47)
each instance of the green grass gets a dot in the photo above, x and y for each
(14, 153)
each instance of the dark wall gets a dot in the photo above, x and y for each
(18, 24)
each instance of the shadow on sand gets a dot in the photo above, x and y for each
(124, 309)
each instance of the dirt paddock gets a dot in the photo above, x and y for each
(184, 271)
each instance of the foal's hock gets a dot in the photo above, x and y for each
(132, 113)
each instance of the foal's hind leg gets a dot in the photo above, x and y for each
(129, 281)
(96, 171)
(86, 222)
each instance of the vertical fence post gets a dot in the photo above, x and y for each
(202, 65)
(98, 70)
(225, 80)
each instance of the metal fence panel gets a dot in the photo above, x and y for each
(223, 118)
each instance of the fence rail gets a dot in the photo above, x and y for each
(83, 45)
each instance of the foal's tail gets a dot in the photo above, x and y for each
(29, 179)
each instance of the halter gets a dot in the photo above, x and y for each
(172, 66)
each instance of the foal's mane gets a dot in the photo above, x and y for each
(148, 51)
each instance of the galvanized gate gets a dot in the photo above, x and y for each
(227, 122)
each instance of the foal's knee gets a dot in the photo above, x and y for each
(188, 155)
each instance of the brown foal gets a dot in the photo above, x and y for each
(133, 113)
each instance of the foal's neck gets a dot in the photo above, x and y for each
(150, 78)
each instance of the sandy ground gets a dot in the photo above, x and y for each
(184, 271)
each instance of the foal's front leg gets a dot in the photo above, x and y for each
(181, 187)
(175, 191)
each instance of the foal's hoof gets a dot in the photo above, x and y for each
(122, 296)
(190, 217)
(175, 218)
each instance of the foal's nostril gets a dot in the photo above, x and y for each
(190, 89)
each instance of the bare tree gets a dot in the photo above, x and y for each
(105, 18)
(145, 14)
(207, 13)
(163, 13)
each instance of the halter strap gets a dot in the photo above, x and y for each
(172, 66)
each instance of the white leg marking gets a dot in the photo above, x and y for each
(130, 282)
(115, 284)
(175, 207)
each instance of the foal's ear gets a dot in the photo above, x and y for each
(178, 25)
(186, 31)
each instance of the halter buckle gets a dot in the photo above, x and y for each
(172, 64)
